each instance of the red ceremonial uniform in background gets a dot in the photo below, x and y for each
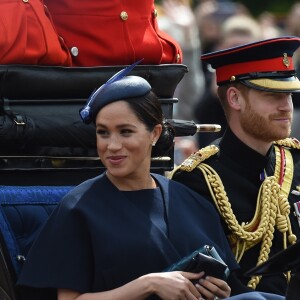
(112, 32)
(28, 36)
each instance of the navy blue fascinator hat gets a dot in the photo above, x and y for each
(118, 87)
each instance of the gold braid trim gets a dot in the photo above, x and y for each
(272, 209)
(260, 229)
(268, 237)
(288, 142)
(243, 236)
(195, 159)
(272, 206)
(283, 221)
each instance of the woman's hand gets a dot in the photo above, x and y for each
(166, 285)
(211, 287)
(175, 285)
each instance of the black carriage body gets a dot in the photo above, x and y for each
(43, 140)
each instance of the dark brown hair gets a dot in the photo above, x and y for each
(149, 111)
(222, 94)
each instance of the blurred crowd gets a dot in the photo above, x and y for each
(208, 26)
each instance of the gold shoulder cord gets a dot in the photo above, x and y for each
(195, 159)
(289, 143)
(272, 207)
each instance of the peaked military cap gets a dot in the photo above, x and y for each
(118, 87)
(264, 65)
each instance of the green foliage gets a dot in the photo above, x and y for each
(278, 7)
(256, 7)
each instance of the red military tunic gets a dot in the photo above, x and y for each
(27, 35)
(112, 32)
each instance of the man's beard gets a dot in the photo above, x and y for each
(262, 128)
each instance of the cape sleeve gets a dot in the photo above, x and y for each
(61, 255)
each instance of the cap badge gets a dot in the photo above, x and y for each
(286, 60)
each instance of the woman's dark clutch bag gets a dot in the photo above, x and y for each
(204, 259)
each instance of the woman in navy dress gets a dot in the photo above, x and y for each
(112, 236)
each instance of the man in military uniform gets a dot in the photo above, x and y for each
(252, 174)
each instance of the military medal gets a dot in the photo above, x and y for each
(263, 175)
(297, 204)
(296, 191)
(297, 211)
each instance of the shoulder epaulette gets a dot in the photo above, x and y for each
(198, 157)
(289, 142)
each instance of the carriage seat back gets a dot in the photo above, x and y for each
(23, 212)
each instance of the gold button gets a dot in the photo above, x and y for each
(155, 13)
(178, 57)
(232, 78)
(25, 1)
(124, 15)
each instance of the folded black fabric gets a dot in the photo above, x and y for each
(283, 261)
(204, 259)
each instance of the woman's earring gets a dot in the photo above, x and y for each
(153, 143)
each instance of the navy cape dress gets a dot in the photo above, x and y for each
(98, 239)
